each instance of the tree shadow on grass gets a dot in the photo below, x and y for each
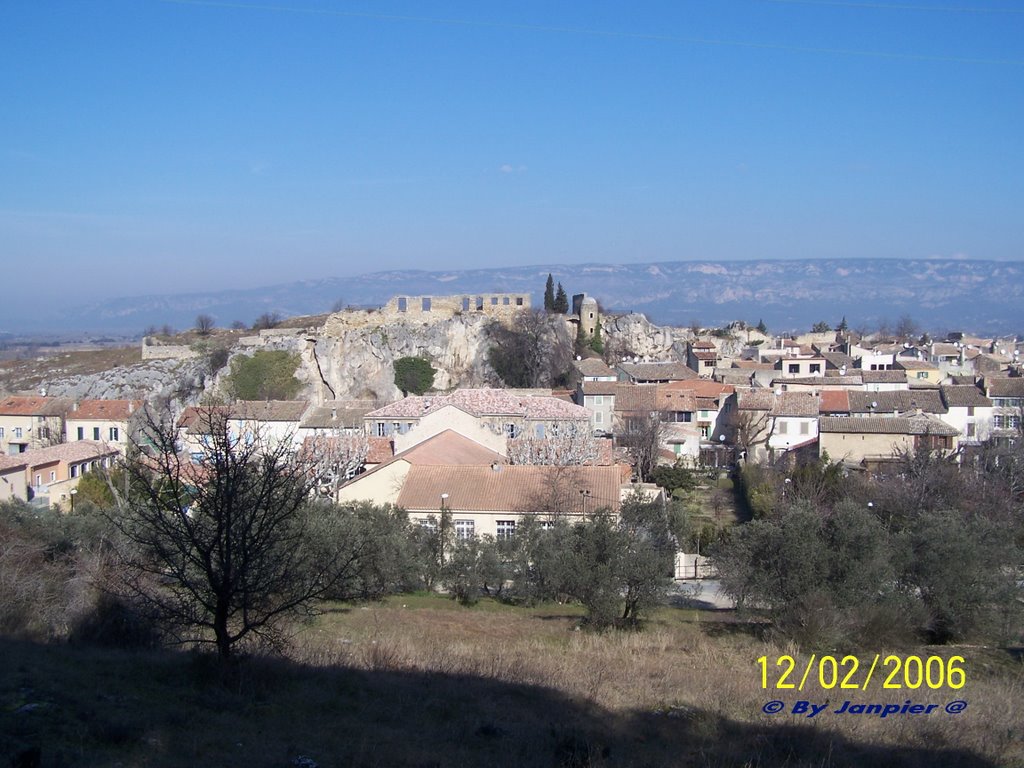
(82, 706)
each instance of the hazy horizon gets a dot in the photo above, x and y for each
(160, 147)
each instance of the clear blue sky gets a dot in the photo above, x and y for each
(150, 146)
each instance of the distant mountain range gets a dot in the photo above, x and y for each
(940, 294)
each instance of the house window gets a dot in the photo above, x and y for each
(402, 304)
(426, 304)
(95, 433)
(428, 523)
(510, 430)
(397, 429)
(39, 481)
(970, 410)
(17, 432)
(479, 302)
(1, 432)
(805, 428)
(815, 368)
(382, 429)
(506, 529)
(598, 399)
(81, 433)
(504, 300)
(465, 304)
(494, 301)
(547, 525)
(599, 418)
(465, 529)
(115, 434)
(53, 476)
(782, 427)
(922, 374)
(794, 368)
(704, 431)
(74, 470)
(539, 430)
(519, 301)
(970, 429)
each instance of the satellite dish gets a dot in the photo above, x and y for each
(874, 404)
(578, 357)
(778, 391)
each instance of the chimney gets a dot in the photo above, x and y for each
(334, 414)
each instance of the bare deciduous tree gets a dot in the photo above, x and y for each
(570, 444)
(642, 435)
(204, 324)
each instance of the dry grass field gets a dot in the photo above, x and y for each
(419, 681)
(28, 374)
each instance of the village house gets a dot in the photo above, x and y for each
(27, 423)
(873, 442)
(921, 372)
(490, 417)
(452, 474)
(1007, 396)
(968, 411)
(654, 373)
(107, 421)
(13, 484)
(54, 472)
(702, 357)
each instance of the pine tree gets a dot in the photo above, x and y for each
(561, 302)
(549, 294)
(762, 327)
(842, 325)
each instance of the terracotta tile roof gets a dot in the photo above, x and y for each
(268, 410)
(961, 396)
(34, 406)
(712, 356)
(485, 402)
(381, 449)
(104, 410)
(636, 397)
(701, 388)
(1004, 386)
(79, 450)
(887, 425)
(753, 365)
(819, 381)
(834, 401)
(837, 359)
(749, 399)
(802, 404)
(195, 416)
(898, 401)
(593, 366)
(703, 345)
(916, 365)
(940, 349)
(675, 400)
(511, 489)
(883, 377)
(664, 371)
(600, 387)
(8, 463)
(337, 414)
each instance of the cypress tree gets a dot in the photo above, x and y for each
(549, 294)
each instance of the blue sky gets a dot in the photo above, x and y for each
(150, 146)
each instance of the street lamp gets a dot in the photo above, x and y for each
(584, 494)
(73, 492)
(443, 528)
